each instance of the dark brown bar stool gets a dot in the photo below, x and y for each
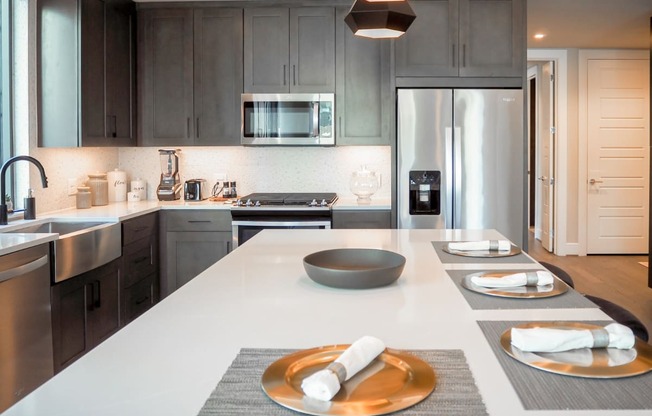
(616, 312)
(559, 272)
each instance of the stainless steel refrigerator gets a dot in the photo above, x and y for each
(461, 156)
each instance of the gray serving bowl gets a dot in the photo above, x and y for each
(354, 268)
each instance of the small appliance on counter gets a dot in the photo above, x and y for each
(195, 190)
(169, 189)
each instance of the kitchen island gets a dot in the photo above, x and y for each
(169, 360)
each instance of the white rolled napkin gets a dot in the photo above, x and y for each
(554, 340)
(324, 384)
(534, 278)
(493, 245)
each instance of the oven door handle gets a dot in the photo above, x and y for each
(325, 224)
(315, 120)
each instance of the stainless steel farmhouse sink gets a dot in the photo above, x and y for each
(81, 246)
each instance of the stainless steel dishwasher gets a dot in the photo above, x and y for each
(25, 323)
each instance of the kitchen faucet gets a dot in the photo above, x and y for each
(3, 171)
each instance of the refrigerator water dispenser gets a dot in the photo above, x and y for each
(425, 192)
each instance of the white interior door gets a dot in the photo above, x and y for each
(545, 153)
(617, 156)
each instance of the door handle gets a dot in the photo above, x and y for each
(542, 178)
(594, 181)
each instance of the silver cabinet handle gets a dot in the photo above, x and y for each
(197, 132)
(464, 55)
(454, 57)
(294, 75)
(594, 181)
(284, 77)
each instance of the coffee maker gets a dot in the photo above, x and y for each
(169, 189)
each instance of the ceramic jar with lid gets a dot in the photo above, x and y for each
(83, 197)
(99, 188)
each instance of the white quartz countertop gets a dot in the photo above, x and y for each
(169, 360)
(121, 211)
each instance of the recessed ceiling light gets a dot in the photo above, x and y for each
(539, 35)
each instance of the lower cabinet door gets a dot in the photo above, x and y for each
(85, 311)
(68, 322)
(190, 253)
(103, 302)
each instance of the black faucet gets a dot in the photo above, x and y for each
(3, 171)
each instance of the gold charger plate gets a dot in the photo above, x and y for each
(514, 250)
(583, 362)
(521, 292)
(391, 382)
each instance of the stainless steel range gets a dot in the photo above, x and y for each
(258, 211)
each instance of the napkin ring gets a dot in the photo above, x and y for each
(600, 338)
(339, 370)
(494, 245)
(532, 278)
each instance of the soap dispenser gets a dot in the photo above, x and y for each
(30, 205)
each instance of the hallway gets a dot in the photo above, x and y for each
(620, 279)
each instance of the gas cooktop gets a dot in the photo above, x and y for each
(289, 200)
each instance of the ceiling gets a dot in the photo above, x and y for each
(580, 23)
(589, 23)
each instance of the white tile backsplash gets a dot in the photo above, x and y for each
(266, 169)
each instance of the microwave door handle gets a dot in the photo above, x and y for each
(315, 120)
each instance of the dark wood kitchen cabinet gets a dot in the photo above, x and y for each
(363, 89)
(289, 50)
(140, 277)
(465, 38)
(194, 241)
(85, 312)
(86, 73)
(191, 76)
(362, 219)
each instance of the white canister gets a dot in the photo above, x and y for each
(117, 185)
(140, 187)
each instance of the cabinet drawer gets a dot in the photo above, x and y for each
(192, 220)
(361, 219)
(140, 227)
(139, 298)
(139, 260)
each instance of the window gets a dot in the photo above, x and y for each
(6, 145)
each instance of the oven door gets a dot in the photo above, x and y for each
(243, 230)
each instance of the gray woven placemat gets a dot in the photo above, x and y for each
(240, 393)
(570, 299)
(540, 390)
(451, 258)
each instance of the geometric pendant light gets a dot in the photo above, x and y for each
(380, 19)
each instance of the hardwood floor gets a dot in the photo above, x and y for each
(620, 279)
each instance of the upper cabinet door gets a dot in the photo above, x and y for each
(492, 38)
(120, 117)
(429, 47)
(364, 88)
(165, 76)
(266, 50)
(312, 49)
(218, 76)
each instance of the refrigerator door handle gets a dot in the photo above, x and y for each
(457, 178)
(448, 174)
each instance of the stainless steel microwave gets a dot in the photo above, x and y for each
(288, 119)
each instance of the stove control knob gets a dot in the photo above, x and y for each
(313, 203)
(238, 202)
(323, 203)
(248, 203)
(257, 203)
